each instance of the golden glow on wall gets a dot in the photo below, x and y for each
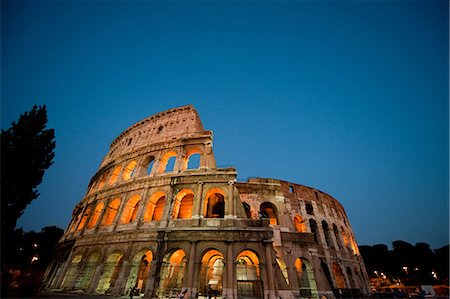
(215, 203)
(102, 181)
(165, 158)
(184, 203)
(114, 175)
(338, 276)
(159, 209)
(95, 215)
(129, 169)
(269, 211)
(84, 218)
(130, 210)
(111, 212)
(150, 208)
(299, 223)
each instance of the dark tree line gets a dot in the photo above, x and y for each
(27, 150)
(412, 264)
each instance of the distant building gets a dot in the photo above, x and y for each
(161, 218)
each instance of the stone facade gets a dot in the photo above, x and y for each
(161, 218)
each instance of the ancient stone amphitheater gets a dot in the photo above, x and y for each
(159, 217)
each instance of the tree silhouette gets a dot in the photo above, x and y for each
(26, 152)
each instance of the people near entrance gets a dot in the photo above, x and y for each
(181, 294)
(209, 291)
(133, 292)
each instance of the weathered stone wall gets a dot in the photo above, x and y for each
(165, 228)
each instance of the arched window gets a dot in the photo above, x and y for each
(338, 276)
(167, 163)
(88, 271)
(326, 233)
(129, 170)
(71, 274)
(314, 231)
(211, 273)
(114, 175)
(184, 203)
(299, 223)
(215, 207)
(247, 209)
(140, 268)
(159, 209)
(305, 278)
(130, 210)
(111, 212)
(309, 208)
(268, 210)
(102, 181)
(86, 214)
(96, 215)
(110, 272)
(193, 161)
(157, 198)
(248, 275)
(150, 161)
(337, 236)
(172, 272)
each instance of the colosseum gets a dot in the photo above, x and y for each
(160, 218)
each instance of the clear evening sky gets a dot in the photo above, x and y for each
(349, 97)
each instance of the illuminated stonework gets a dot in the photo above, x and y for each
(159, 216)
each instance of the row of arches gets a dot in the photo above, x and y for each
(112, 273)
(148, 166)
(107, 213)
(341, 236)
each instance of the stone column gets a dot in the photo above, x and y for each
(95, 278)
(191, 265)
(270, 272)
(143, 204)
(60, 279)
(198, 202)
(229, 203)
(228, 273)
(121, 280)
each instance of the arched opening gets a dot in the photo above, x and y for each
(215, 206)
(69, 278)
(129, 170)
(149, 162)
(167, 163)
(305, 278)
(247, 209)
(85, 217)
(211, 274)
(155, 206)
(309, 208)
(140, 268)
(337, 236)
(114, 175)
(184, 203)
(300, 224)
(102, 181)
(84, 280)
(326, 233)
(269, 211)
(96, 215)
(314, 231)
(129, 212)
(73, 226)
(193, 161)
(172, 274)
(283, 269)
(327, 273)
(111, 212)
(338, 276)
(111, 270)
(249, 284)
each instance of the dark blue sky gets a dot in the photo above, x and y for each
(350, 97)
